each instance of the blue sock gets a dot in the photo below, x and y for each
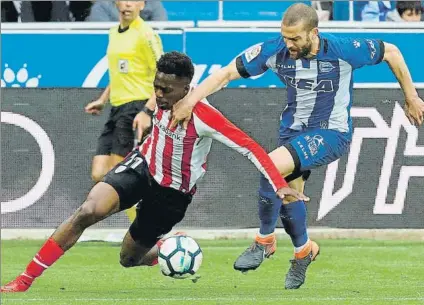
(293, 216)
(269, 206)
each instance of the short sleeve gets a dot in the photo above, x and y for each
(154, 50)
(254, 61)
(361, 52)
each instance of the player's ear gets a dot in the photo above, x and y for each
(314, 32)
(141, 5)
(186, 88)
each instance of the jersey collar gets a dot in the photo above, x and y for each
(137, 21)
(322, 46)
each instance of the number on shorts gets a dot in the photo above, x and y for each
(132, 162)
(136, 161)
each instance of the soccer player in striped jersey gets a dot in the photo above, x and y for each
(160, 175)
(315, 127)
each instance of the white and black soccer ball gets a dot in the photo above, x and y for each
(180, 257)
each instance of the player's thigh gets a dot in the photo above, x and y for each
(102, 201)
(123, 135)
(130, 180)
(158, 213)
(100, 166)
(114, 160)
(298, 184)
(283, 160)
(317, 147)
(104, 142)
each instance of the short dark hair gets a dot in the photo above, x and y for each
(176, 63)
(403, 6)
(298, 12)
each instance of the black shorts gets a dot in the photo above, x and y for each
(159, 208)
(118, 136)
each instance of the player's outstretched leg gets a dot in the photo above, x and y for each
(265, 242)
(293, 216)
(102, 201)
(136, 250)
(151, 257)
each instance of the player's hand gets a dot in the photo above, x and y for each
(141, 123)
(181, 113)
(414, 110)
(95, 107)
(287, 191)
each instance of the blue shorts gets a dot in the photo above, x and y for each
(314, 147)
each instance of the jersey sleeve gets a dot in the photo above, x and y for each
(361, 52)
(211, 123)
(154, 49)
(255, 60)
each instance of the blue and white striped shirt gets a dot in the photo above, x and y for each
(319, 89)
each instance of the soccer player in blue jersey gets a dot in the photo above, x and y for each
(315, 128)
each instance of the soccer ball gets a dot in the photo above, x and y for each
(180, 257)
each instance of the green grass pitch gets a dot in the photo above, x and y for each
(347, 272)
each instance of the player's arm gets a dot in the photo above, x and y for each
(143, 120)
(95, 107)
(396, 62)
(151, 103)
(213, 83)
(104, 97)
(361, 52)
(211, 123)
(251, 63)
(182, 110)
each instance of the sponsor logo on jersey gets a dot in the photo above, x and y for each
(325, 66)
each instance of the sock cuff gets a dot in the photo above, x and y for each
(265, 239)
(55, 246)
(50, 252)
(306, 249)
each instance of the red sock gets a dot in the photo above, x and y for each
(49, 253)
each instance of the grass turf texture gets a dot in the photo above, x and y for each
(347, 272)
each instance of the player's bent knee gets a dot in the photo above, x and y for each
(97, 176)
(85, 215)
(126, 262)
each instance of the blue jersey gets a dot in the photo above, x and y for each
(319, 89)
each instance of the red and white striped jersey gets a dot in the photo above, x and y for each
(177, 158)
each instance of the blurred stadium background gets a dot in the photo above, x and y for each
(53, 63)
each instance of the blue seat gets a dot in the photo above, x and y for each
(256, 10)
(191, 10)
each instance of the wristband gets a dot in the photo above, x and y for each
(148, 111)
